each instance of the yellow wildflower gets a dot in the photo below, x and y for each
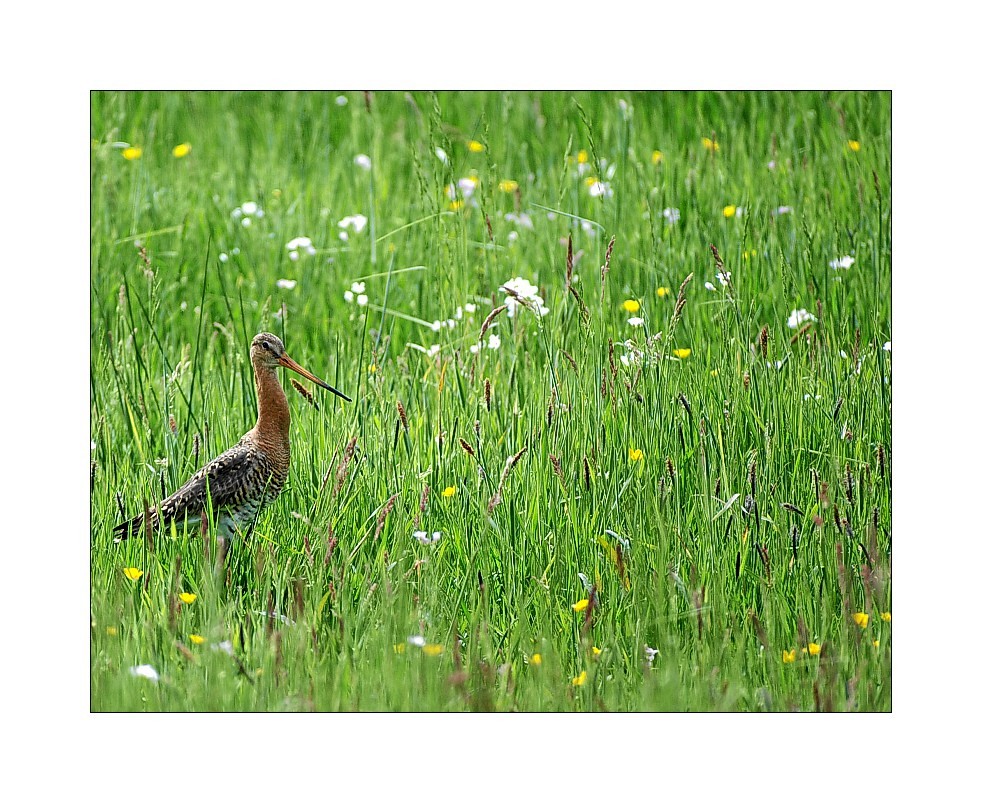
(635, 455)
(656, 157)
(508, 185)
(132, 153)
(182, 150)
(455, 205)
(111, 631)
(580, 679)
(885, 616)
(729, 210)
(714, 372)
(788, 656)
(663, 291)
(597, 651)
(710, 144)
(854, 145)
(682, 353)
(581, 157)
(751, 253)
(474, 146)
(187, 598)
(399, 649)
(591, 180)
(814, 649)
(536, 660)
(432, 649)
(861, 619)
(132, 573)
(631, 305)
(580, 605)
(449, 491)
(196, 639)
(876, 643)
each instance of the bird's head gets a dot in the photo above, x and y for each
(267, 351)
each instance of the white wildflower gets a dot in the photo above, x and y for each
(223, 257)
(600, 188)
(842, 263)
(246, 222)
(357, 222)
(286, 284)
(417, 641)
(798, 317)
(362, 300)
(145, 671)
(711, 287)
(888, 346)
(294, 256)
(362, 161)
(671, 215)
(494, 342)
(357, 287)
(349, 296)
(471, 308)
(341, 100)
(635, 321)
(427, 538)
(297, 243)
(523, 289)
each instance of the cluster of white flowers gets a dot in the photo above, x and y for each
(782, 210)
(650, 653)
(356, 294)
(600, 188)
(671, 215)
(362, 161)
(798, 317)
(297, 244)
(355, 222)
(223, 257)
(426, 538)
(247, 212)
(145, 671)
(286, 284)
(842, 263)
(635, 321)
(525, 290)
(493, 343)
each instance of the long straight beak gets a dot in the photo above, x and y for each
(288, 362)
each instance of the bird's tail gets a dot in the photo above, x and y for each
(128, 528)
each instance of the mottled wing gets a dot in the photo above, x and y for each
(240, 477)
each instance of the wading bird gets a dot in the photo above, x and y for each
(251, 473)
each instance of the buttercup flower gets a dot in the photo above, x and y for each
(814, 649)
(132, 573)
(854, 145)
(474, 146)
(710, 144)
(131, 153)
(507, 185)
(631, 305)
(635, 455)
(788, 656)
(580, 679)
(656, 157)
(885, 616)
(682, 353)
(432, 649)
(580, 605)
(861, 619)
(449, 491)
(187, 598)
(196, 639)
(182, 150)
(663, 291)
(535, 660)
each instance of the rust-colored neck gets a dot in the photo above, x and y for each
(273, 426)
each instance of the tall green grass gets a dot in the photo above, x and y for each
(756, 522)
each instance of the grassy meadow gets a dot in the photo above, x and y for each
(653, 474)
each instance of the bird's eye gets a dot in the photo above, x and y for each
(266, 345)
